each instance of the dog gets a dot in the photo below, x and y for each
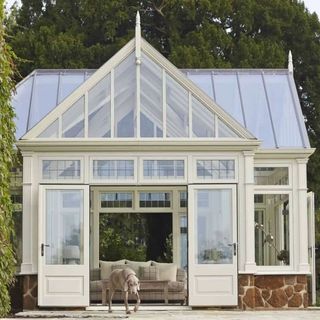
(126, 281)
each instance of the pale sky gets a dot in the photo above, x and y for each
(311, 5)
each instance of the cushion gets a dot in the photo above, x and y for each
(149, 273)
(176, 286)
(106, 267)
(167, 271)
(119, 266)
(135, 265)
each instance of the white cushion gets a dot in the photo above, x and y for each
(135, 265)
(106, 267)
(167, 271)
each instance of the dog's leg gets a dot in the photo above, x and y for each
(138, 302)
(111, 292)
(126, 302)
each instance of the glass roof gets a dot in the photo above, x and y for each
(265, 102)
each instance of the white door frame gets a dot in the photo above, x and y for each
(212, 284)
(63, 284)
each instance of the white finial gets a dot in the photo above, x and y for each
(138, 38)
(290, 63)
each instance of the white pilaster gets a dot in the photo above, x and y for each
(250, 264)
(302, 214)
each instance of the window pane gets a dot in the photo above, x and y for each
(64, 227)
(52, 131)
(125, 98)
(68, 83)
(113, 169)
(99, 122)
(73, 120)
(213, 230)
(116, 200)
(271, 175)
(272, 247)
(155, 199)
(183, 242)
(60, 169)
(216, 169)
(183, 199)
(202, 120)
(163, 169)
(177, 109)
(224, 131)
(151, 99)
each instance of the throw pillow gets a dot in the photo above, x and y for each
(149, 273)
(135, 265)
(167, 271)
(106, 267)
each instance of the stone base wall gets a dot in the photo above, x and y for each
(30, 292)
(272, 291)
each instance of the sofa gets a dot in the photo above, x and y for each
(159, 282)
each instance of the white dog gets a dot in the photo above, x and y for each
(126, 281)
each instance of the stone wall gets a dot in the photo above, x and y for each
(272, 291)
(30, 292)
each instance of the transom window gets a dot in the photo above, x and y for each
(60, 169)
(113, 169)
(271, 175)
(155, 199)
(116, 200)
(216, 169)
(163, 169)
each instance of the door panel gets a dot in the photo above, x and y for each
(63, 245)
(212, 245)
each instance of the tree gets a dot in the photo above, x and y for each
(7, 139)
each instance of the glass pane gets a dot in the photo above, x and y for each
(256, 108)
(99, 122)
(215, 169)
(151, 116)
(183, 199)
(116, 200)
(60, 169)
(113, 169)
(283, 111)
(227, 95)
(163, 169)
(135, 236)
(202, 120)
(183, 242)
(213, 230)
(64, 227)
(177, 109)
(155, 199)
(125, 98)
(203, 81)
(52, 131)
(73, 120)
(68, 83)
(44, 99)
(272, 242)
(271, 175)
(224, 131)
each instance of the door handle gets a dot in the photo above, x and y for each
(234, 245)
(42, 248)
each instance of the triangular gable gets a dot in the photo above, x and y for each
(145, 97)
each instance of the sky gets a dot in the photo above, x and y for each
(311, 5)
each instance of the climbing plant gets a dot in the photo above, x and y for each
(7, 155)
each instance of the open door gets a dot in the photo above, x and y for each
(311, 244)
(63, 245)
(213, 278)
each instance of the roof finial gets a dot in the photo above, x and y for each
(290, 63)
(138, 38)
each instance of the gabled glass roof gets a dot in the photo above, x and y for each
(264, 101)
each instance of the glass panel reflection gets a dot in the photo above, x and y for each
(202, 120)
(271, 175)
(64, 227)
(213, 230)
(73, 120)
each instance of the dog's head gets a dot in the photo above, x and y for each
(133, 284)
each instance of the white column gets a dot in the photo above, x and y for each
(302, 215)
(250, 264)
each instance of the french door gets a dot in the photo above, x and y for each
(63, 273)
(212, 245)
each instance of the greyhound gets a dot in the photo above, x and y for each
(127, 281)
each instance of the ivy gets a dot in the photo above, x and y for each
(7, 156)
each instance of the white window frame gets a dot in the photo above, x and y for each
(290, 267)
(163, 181)
(196, 179)
(106, 181)
(62, 181)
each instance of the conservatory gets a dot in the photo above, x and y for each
(196, 179)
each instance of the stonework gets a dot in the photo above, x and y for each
(30, 292)
(272, 291)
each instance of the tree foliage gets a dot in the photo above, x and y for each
(7, 84)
